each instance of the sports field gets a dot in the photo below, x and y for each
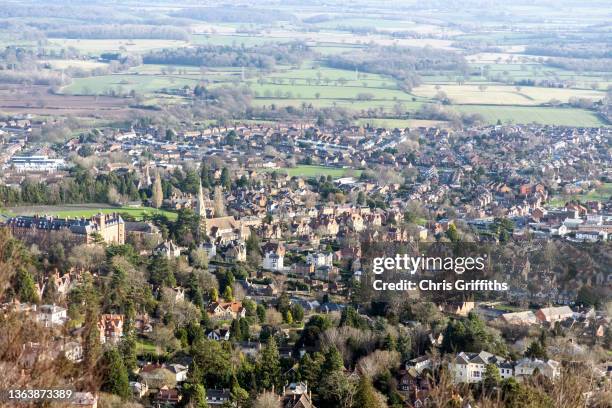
(310, 171)
(86, 210)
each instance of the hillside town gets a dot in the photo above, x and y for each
(245, 276)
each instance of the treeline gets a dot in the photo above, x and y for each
(436, 111)
(568, 51)
(574, 64)
(115, 31)
(228, 14)
(81, 187)
(401, 63)
(262, 57)
(89, 13)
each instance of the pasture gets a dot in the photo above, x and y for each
(534, 114)
(93, 47)
(400, 123)
(504, 94)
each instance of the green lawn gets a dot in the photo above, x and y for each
(602, 193)
(317, 171)
(144, 346)
(67, 211)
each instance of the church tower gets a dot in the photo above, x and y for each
(201, 212)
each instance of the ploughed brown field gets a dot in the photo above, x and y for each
(38, 100)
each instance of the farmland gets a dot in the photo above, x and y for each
(494, 84)
(542, 115)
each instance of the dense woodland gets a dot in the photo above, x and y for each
(120, 31)
(401, 63)
(234, 14)
(262, 57)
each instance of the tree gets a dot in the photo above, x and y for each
(228, 295)
(197, 395)
(536, 350)
(161, 273)
(50, 294)
(588, 297)
(128, 348)
(361, 198)
(226, 181)
(471, 335)
(365, 396)
(25, 287)
(268, 366)
(158, 193)
(350, 317)
(310, 367)
(218, 202)
(492, 377)
(212, 362)
(245, 329)
(452, 233)
(267, 400)
(235, 330)
(214, 294)
(261, 313)
(516, 395)
(337, 390)
(199, 258)
(297, 312)
(238, 395)
(333, 360)
(115, 378)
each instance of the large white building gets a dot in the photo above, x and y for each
(471, 367)
(274, 256)
(527, 366)
(36, 163)
(320, 259)
(51, 315)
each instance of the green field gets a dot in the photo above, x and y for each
(400, 123)
(535, 114)
(124, 83)
(71, 211)
(310, 171)
(602, 193)
(371, 95)
(144, 346)
(98, 46)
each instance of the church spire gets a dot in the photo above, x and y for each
(201, 212)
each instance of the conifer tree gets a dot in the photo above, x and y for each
(158, 193)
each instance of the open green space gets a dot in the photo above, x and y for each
(145, 346)
(109, 45)
(602, 193)
(124, 83)
(72, 211)
(534, 114)
(310, 171)
(400, 123)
